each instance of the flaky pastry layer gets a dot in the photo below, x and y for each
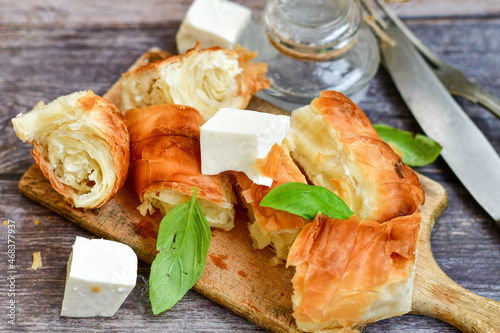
(81, 144)
(206, 80)
(353, 272)
(165, 150)
(338, 148)
(269, 226)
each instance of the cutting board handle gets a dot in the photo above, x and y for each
(438, 296)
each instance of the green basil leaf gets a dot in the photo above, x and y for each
(418, 150)
(306, 201)
(183, 241)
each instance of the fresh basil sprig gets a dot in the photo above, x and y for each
(306, 201)
(418, 150)
(183, 241)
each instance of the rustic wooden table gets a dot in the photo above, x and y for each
(50, 48)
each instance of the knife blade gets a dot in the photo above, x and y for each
(465, 149)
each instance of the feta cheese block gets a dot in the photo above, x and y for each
(99, 277)
(234, 139)
(212, 23)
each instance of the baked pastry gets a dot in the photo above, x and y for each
(338, 148)
(269, 226)
(353, 272)
(165, 152)
(360, 270)
(206, 80)
(81, 144)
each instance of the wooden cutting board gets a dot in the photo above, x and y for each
(238, 276)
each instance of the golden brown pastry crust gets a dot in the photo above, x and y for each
(106, 121)
(355, 271)
(375, 174)
(163, 120)
(152, 80)
(343, 267)
(253, 78)
(165, 151)
(278, 166)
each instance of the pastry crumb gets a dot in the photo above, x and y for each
(5, 222)
(96, 289)
(37, 261)
(275, 261)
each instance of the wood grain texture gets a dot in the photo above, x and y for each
(54, 62)
(236, 275)
(437, 295)
(46, 62)
(36, 14)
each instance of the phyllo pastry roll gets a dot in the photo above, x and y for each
(352, 272)
(269, 226)
(81, 144)
(165, 152)
(338, 148)
(207, 80)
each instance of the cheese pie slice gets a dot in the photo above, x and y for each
(338, 148)
(165, 152)
(81, 144)
(269, 226)
(207, 80)
(353, 272)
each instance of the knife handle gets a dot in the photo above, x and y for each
(438, 296)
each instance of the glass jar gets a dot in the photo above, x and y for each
(311, 46)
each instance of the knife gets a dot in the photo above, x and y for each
(465, 149)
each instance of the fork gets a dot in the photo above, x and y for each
(453, 79)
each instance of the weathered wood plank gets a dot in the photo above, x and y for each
(35, 14)
(236, 275)
(55, 245)
(39, 293)
(56, 62)
(446, 8)
(59, 61)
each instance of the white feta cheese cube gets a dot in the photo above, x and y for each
(234, 139)
(212, 23)
(99, 277)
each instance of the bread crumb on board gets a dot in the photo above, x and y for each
(37, 261)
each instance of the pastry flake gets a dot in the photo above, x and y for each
(207, 80)
(81, 144)
(338, 148)
(269, 226)
(165, 152)
(353, 272)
